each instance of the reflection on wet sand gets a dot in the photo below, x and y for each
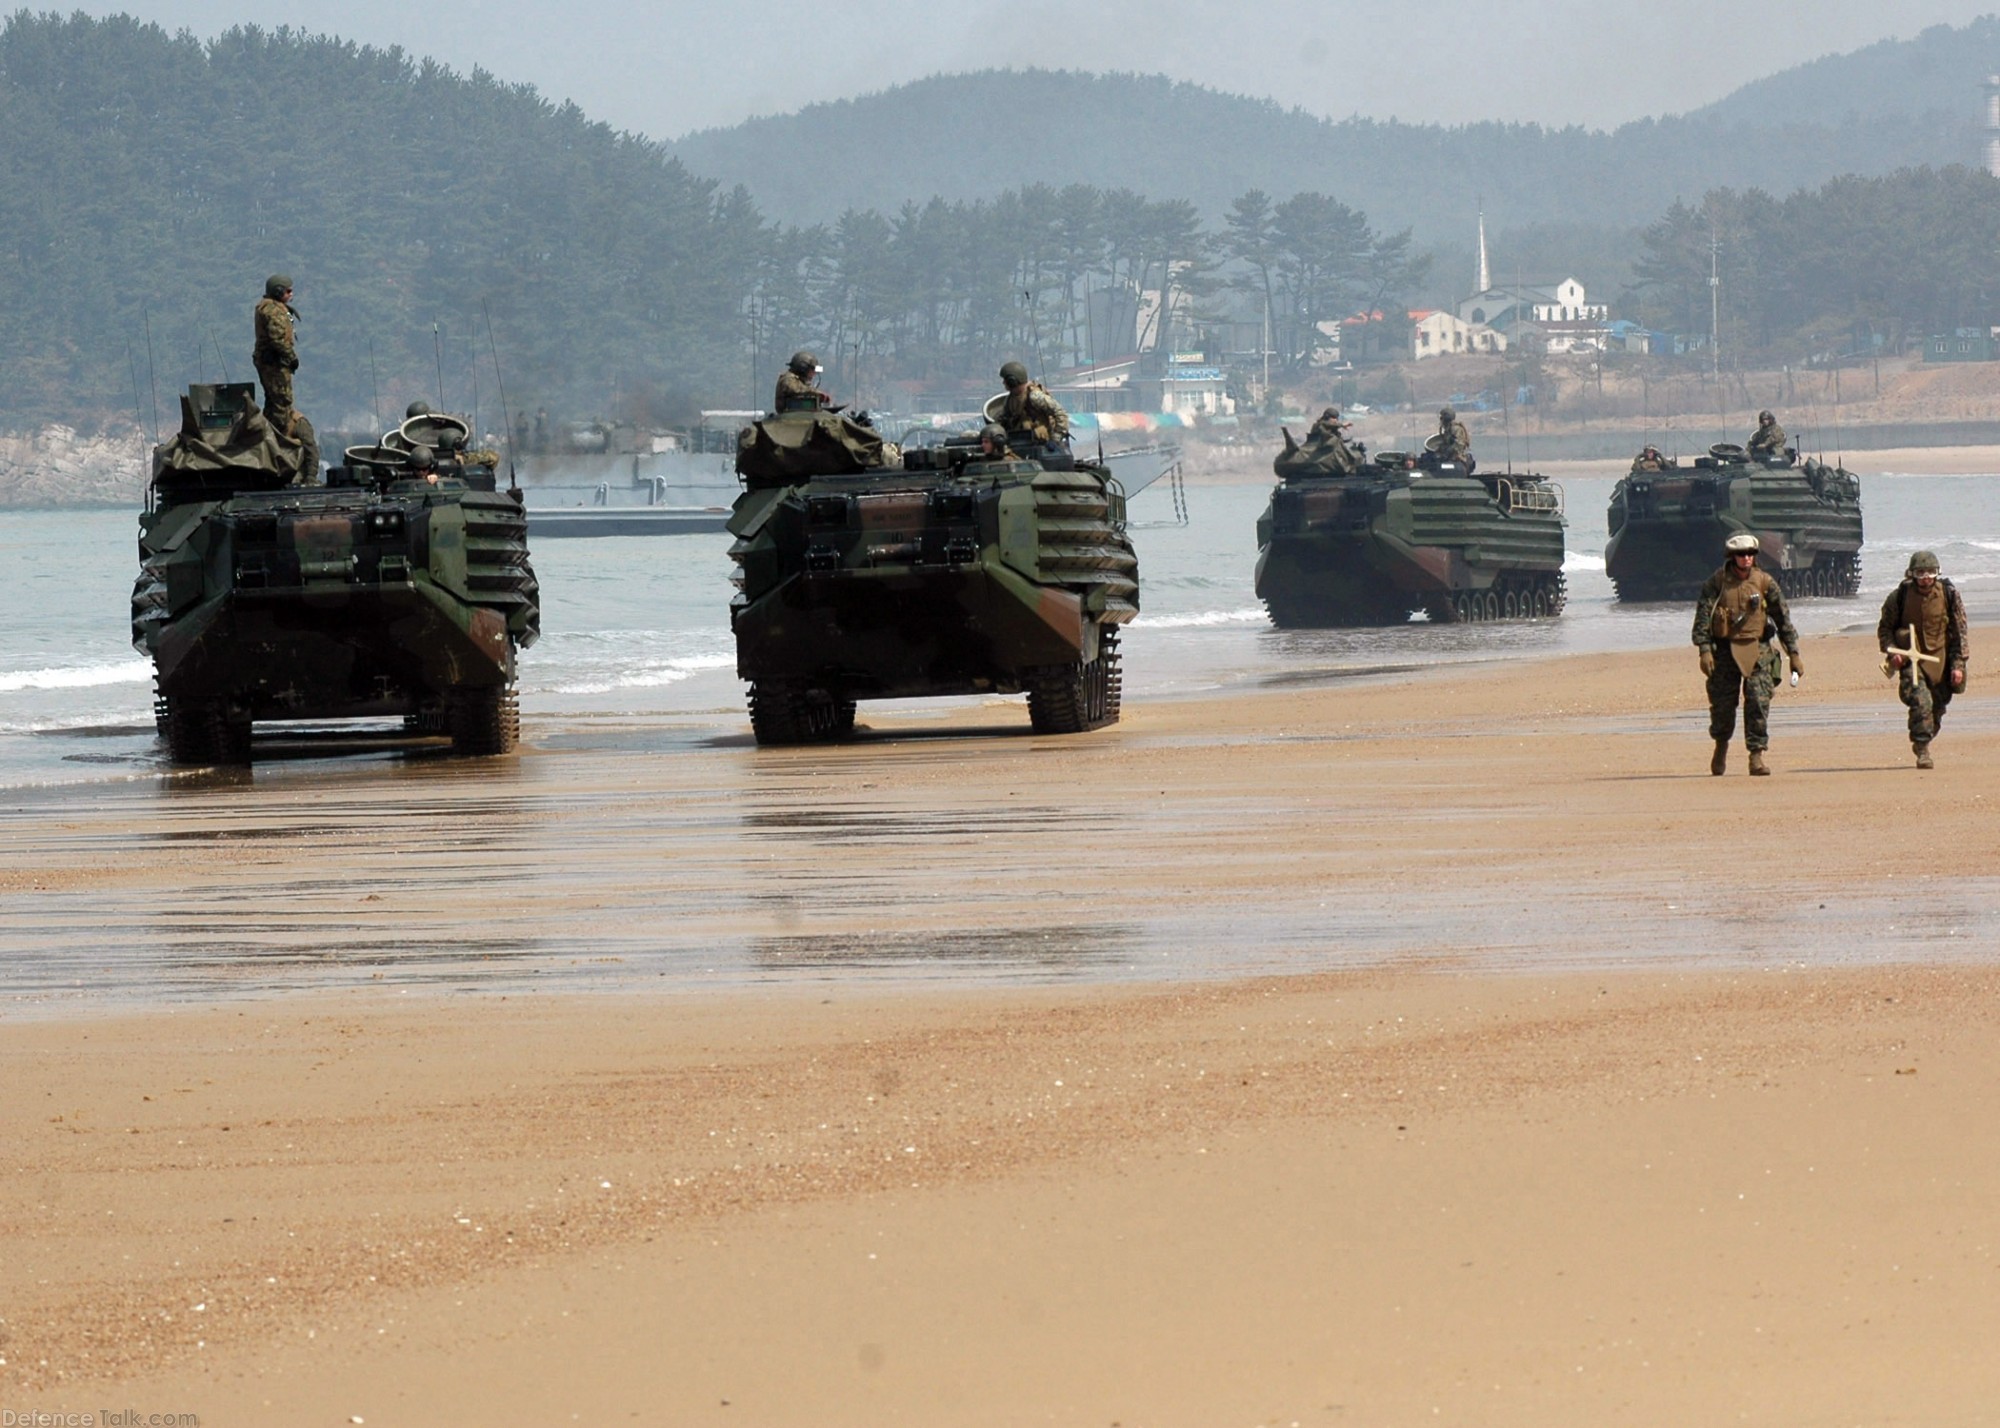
(1045, 951)
(1491, 818)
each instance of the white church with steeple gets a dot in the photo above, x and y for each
(1559, 314)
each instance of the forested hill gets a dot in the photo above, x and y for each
(150, 181)
(1942, 69)
(966, 136)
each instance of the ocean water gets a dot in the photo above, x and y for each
(639, 625)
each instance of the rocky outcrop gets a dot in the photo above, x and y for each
(56, 466)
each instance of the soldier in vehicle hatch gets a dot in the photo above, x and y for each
(1740, 609)
(798, 388)
(1029, 409)
(1327, 448)
(1768, 439)
(1925, 636)
(1649, 460)
(1452, 442)
(276, 356)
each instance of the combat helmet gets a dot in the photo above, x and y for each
(803, 364)
(1764, 418)
(276, 286)
(1742, 543)
(418, 408)
(1013, 374)
(1923, 560)
(1447, 414)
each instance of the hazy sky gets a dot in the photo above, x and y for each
(666, 68)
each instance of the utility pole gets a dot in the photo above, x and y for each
(1714, 305)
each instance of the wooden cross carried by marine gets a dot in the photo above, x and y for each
(1913, 652)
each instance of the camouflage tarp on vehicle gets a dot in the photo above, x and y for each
(225, 440)
(796, 446)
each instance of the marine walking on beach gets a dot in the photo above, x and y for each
(275, 354)
(1029, 410)
(1739, 611)
(1925, 639)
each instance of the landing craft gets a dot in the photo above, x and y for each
(868, 572)
(400, 588)
(1403, 533)
(1667, 525)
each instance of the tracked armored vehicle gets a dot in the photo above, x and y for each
(1666, 526)
(864, 572)
(401, 587)
(1401, 533)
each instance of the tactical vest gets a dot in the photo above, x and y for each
(1019, 416)
(1741, 611)
(1930, 615)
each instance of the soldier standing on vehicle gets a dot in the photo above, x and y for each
(1768, 439)
(798, 388)
(1740, 609)
(1925, 635)
(276, 356)
(1029, 410)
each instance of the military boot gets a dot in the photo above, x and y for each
(1719, 764)
(1924, 756)
(1757, 765)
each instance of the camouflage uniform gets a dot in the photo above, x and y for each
(794, 391)
(1326, 448)
(1030, 411)
(1648, 461)
(1939, 618)
(1454, 442)
(275, 354)
(1768, 439)
(1742, 610)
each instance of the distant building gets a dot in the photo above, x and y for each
(1425, 333)
(1442, 334)
(1560, 301)
(1967, 344)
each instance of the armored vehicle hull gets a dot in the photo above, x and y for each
(1374, 547)
(376, 595)
(936, 573)
(1668, 527)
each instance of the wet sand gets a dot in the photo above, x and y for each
(660, 1079)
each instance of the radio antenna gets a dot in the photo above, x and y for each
(506, 413)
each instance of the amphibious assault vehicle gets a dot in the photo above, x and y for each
(1667, 527)
(1403, 533)
(400, 587)
(865, 572)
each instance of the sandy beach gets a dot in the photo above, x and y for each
(1441, 1045)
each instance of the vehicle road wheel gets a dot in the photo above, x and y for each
(426, 719)
(200, 732)
(783, 711)
(1489, 605)
(1072, 698)
(483, 721)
